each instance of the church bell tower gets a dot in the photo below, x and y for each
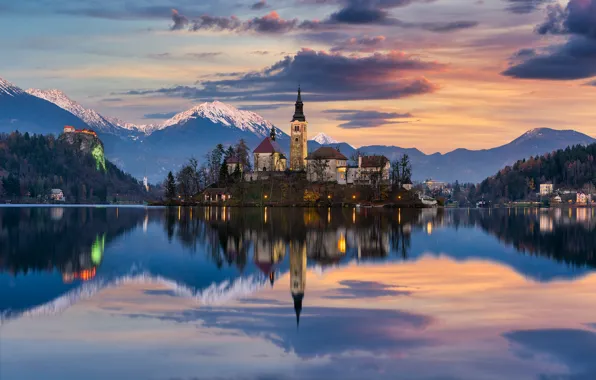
(299, 135)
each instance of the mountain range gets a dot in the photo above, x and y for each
(154, 149)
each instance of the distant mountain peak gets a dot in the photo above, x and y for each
(7, 88)
(224, 114)
(324, 139)
(552, 134)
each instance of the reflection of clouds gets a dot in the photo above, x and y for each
(366, 289)
(323, 331)
(574, 348)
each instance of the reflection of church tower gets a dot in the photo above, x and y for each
(299, 135)
(297, 276)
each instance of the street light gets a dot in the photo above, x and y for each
(353, 196)
(328, 196)
(265, 196)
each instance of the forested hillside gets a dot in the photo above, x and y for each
(32, 165)
(573, 167)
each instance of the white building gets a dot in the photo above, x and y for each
(372, 169)
(57, 195)
(268, 156)
(434, 185)
(326, 164)
(232, 163)
(546, 188)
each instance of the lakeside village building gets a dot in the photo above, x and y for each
(325, 164)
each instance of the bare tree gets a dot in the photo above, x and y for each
(318, 168)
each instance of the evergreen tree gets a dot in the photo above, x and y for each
(170, 186)
(237, 175)
(224, 174)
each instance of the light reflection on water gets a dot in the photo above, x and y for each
(297, 293)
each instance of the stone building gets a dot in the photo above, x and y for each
(232, 163)
(325, 164)
(373, 168)
(268, 156)
(299, 137)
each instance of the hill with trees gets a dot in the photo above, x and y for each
(32, 165)
(572, 168)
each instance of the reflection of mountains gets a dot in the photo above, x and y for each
(71, 240)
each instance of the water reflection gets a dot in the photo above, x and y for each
(297, 293)
(222, 244)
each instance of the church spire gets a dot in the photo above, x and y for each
(299, 108)
(272, 133)
(298, 306)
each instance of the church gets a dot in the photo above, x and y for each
(325, 164)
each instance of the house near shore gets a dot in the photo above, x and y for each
(57, 195)
(216, 195)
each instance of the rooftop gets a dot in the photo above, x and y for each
(374, 161)
(268, 146)
(326, 152)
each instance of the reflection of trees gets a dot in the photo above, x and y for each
(71, 240)
(564, 238)
(228, 235)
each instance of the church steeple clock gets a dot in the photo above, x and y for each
(299, 136)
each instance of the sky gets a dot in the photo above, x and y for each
(431, 74)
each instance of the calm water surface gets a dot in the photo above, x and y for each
(220, 293)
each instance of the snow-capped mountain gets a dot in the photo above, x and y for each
(7, 88)
(146, 129)
(324, 139)
(89, 116)
(222, 114)
(27, 113)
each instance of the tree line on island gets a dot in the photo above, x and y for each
(215, 171)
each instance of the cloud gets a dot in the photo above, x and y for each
(578, 18)
(525, 6)
(259, 5)
(572, 347)
(354, 12)
(323, 76)
(363, 44)
(160, 115)
(260, 52)
(271, 23)
(180, 21)
(206, 54)
(328, 331)
(574, 59)
(366, 289)
(200, 55)
(376, 12)
(367, 119)
(262, 107)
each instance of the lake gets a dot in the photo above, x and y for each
(290, 293)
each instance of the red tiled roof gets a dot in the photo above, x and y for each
(328, 153)
(268, 146)
(374, 161)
